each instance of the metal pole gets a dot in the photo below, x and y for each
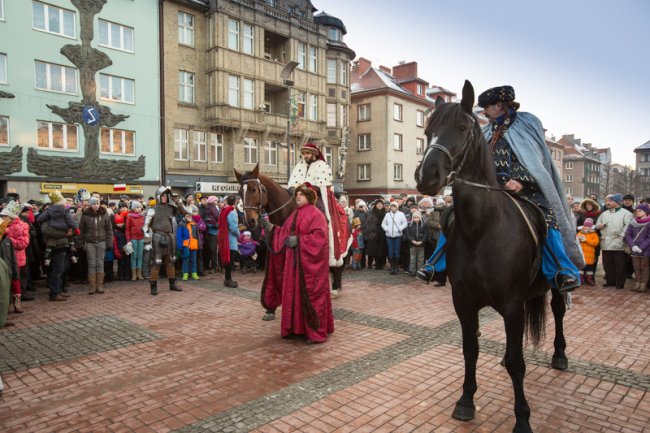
(289, 136)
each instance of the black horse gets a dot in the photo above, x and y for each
(493, 251)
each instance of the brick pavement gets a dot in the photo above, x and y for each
(203, 360)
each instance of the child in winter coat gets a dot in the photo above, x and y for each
(59, 218)
(637, 237)
(18, 232)
(589, 241)
(416, 237)
(119, 241)
(202, 229)
(357, 244)
(187, 243)
(135, 237)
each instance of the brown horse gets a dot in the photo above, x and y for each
(492, 254)
(260, 193)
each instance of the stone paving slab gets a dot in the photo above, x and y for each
(393, 364)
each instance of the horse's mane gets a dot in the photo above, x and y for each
(453, 114)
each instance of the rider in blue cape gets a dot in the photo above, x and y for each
(524, 166)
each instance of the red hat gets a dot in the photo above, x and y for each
(308, 190)
(312, 148)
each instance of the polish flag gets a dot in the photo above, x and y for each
(119, 187)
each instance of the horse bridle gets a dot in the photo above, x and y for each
(263, 196)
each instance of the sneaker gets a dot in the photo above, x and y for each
(195, 276)
(185, 277)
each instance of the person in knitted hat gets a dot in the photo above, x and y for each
(299, 249)
(612, 224)
(628, 202)
(135, 239)
(9, 269)
(97, 233)
(416, 238)
(589, 240)
(18, 232)
(313, 169)
(637, 239)
(210, 250)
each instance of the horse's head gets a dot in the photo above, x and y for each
(252, 192)
(450, 131)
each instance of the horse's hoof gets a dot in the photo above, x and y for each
(334, 294)
(503, 362)
(268, 316)
(522, 427)
(559, 363)
(463, 413)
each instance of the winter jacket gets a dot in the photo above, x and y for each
(9, 256)
(134, 225)
(394, 224)
(187, 236)
(53, 237)
(638, 234)
(59, 217)
(374, 234)
(212, 218)
(588, 245)
(202, 229)
(416, 232)
(357, 239)
(433, 225)
(95, 226)
(18, 232)
(612, 236)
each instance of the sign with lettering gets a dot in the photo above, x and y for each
(217, 187)
(90, 115)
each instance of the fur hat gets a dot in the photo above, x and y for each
(356, 222)
(312, 148)
(644, 207)
(497, 94)
(11, 209)
(615, 198)
(361, 203)
(594, 204)
(588, 222)
(308, 190)
(416, 214)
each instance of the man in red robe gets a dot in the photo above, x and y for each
(298, 270)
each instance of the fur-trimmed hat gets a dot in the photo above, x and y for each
(594, 204)
(497, 94)
(308, 190)
(312, 148)
(56, 197)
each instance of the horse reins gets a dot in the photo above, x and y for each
(263, 191)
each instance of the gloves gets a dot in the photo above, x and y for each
(636, 249)
(148, 247)
(291, 242)
(128, 248)
(266, 224)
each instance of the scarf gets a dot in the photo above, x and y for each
(223, 236)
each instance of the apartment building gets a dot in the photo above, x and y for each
(389, 110)
(69, 120)
(581, 171)
(231, 88)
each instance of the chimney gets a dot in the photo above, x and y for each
(385, 69)
(363, 64)
(406, 70)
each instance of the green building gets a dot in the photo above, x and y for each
(79, 96)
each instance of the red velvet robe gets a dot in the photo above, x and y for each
(294, 272)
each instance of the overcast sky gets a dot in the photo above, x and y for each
(581, 66)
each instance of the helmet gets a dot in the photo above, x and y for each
(162, 190)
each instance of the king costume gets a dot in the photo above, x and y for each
(298, 277)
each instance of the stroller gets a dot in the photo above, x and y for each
(247, 253)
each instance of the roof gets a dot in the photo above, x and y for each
(330, 21)
(386, 79)
(439, 89)
(644, 146)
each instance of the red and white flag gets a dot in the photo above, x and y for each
(119, 187)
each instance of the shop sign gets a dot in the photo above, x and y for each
(72, 188)
(217, 187)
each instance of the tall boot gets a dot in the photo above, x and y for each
(92, 283)
(139, 274)
(134, 275)
(17, 304)
(636, 264)
(100, 282)
(154, 287)
(173, 287)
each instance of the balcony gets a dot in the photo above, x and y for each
(234, 117)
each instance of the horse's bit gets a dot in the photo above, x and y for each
(264, 192)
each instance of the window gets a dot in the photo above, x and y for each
(419, 147)
(363, 142)
(313, 107)
(292, 154)
(568, 165)
(331, 115)
(569, 178)
(2, 10)
(248, 39)
(300, 105)
(116, 36)
(250, 151)
(186, 87)
(216, 148)
(645, 171)
(233, 34)
(419, 89)
(331, 71)
(363, 172)
(117, 141)
(397, 142)
(397, 172)
(333, 34)
(3, 68)
(397, 112)
(272, 2)
(344, 116)
(52, 19)
(56, 78)
(233, 91)
(364, 112)
(419, 118)
(248, 94)
(181, 145)
(569, 191)
(312, 59)
(185, 29)
(329, 156)
(116, 89)
(199, 145)
(344, 74)
(56, 136)
(4, 131)
(271, 153)
(302, 55)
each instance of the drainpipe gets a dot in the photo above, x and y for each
(161, 57)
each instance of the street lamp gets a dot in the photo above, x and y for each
(285, 74)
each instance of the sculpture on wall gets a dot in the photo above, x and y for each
(343, 153)
(89, 61)
(12, 161)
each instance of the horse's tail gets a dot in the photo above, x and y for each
(535, 319)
